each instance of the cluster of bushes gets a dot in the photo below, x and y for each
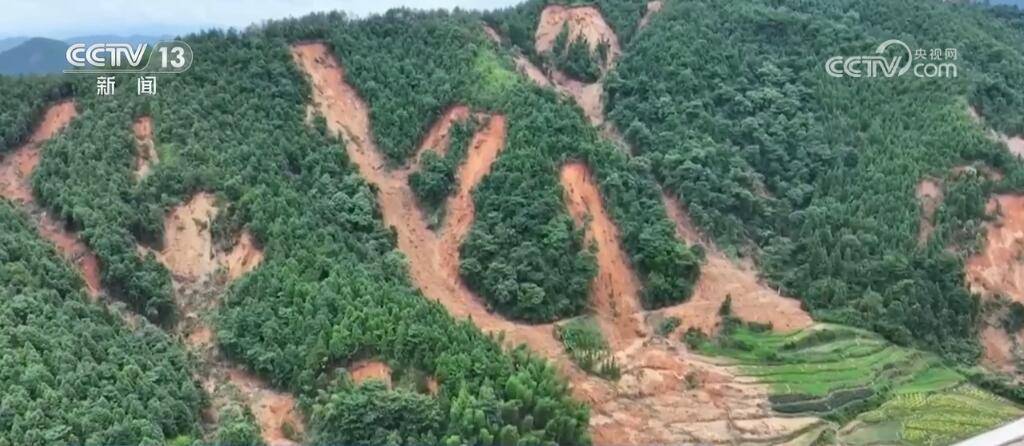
(587, 347)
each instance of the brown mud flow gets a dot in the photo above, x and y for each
(584, 22)
(998, 269)
(188, 247)
(653, 402)
(615, 292)
(201, 274)
(15, 184)
(145, 150)
(433, 257)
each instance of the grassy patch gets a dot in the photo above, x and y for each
(892, 394)
(587, 347)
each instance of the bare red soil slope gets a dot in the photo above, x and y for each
(15, 184)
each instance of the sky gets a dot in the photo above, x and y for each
(59, 19)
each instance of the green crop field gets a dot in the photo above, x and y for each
(883, 393)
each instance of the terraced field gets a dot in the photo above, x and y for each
(881, 393)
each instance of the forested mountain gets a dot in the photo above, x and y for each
(796, 183)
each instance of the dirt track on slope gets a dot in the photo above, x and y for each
(15, 184)
(145, 150)
(615, 292)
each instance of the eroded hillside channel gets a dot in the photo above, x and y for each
(16, 169)
(651, 403)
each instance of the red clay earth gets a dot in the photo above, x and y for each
(363, 371)
(583, 21)
(15, 184)
(651, 404)
(145, 150)
(188, 249)
(615, 292)
(998, 269)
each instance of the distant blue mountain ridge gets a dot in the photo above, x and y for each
(40, 55)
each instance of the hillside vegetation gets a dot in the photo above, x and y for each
(72, 372)
(722, 106)
(731, 107)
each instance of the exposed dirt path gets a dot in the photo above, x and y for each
(145, 149)
(615, 292)
(15, 184)
(929, 195)
(433, 259)
(653, 7)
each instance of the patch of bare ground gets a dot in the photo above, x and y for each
(583, 21)
(653, 7)
(666, 394)
(1001, 350)
(188, 248)
(998, 270)
(929, 195)
(15, 184)
(145, 150)
(670, 396)
(363, 371)
(721, 277)
(273, 410)
(615, 292)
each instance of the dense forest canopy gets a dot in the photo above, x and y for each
(72, 372)
(765, 148)
(726, 105)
